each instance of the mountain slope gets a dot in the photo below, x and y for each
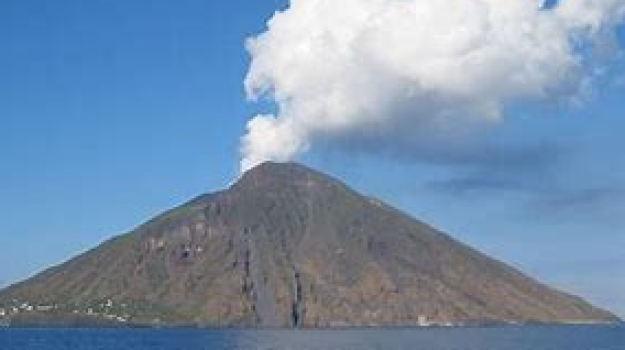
(285, 247)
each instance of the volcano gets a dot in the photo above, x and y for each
(286, 247)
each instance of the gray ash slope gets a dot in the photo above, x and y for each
(287, 246)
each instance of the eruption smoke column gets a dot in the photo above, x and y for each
(399, 71)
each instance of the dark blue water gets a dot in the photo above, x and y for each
(518, 338)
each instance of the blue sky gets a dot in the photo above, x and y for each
(113, 111)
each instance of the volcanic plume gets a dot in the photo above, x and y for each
(402, 74)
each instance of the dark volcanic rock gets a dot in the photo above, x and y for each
(287, 247)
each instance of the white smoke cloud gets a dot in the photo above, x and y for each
(401, 71)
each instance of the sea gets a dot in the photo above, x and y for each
(493, 338)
